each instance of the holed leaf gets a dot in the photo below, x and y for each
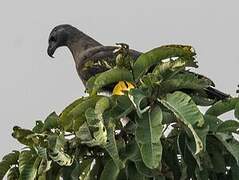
(56, 150)
(92, 132)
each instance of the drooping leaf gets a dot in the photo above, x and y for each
(144, 170)
(148, 133)
(132, 152)
(13, 173)
(187, 112)
(222, 106)
(132, 172)
(230, 144)
(111, 76)
(110, 171)
(7, 161)
(155, 56)
(28, 165)
(111, 146)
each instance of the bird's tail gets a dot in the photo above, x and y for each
(216, 94)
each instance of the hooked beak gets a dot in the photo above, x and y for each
(51, 49)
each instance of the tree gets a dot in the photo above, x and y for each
(152, 128)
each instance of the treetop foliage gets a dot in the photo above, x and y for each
(151, 127)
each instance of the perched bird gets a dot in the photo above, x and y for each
(86, 51)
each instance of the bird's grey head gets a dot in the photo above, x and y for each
(60, 36)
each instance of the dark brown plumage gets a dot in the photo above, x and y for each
(85, 49)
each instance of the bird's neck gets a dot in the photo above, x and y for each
(81, 43)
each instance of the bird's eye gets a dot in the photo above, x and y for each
(52, 39)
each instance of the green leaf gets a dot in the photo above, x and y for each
(138, 98)
(22, 134)
(230, 144)
(145, 171)
(110, 171)
(28, 165)
(200, 100)
(213, 122)
(38, 128)
(7, 161)
(155, 56)
(234, 172)
(51, 121)
(56, 150)
(13, 173)
(92, 132)
(132, 172)
(111, 76)
(187, 112)
(90, 84)
(184, 80)
(111, 146)
(44, 166)
(75, 112)
(228, 126)
(172, 67)
(82, 170)
(222, 106)
(121, 107)
(101, 106)
(132, 152)
(236, 112)
(148, 133)
(65, 118)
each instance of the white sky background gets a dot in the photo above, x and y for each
(33, 85)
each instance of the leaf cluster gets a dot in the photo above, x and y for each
(153, 131)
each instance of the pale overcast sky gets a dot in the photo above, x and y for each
(33, 85)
